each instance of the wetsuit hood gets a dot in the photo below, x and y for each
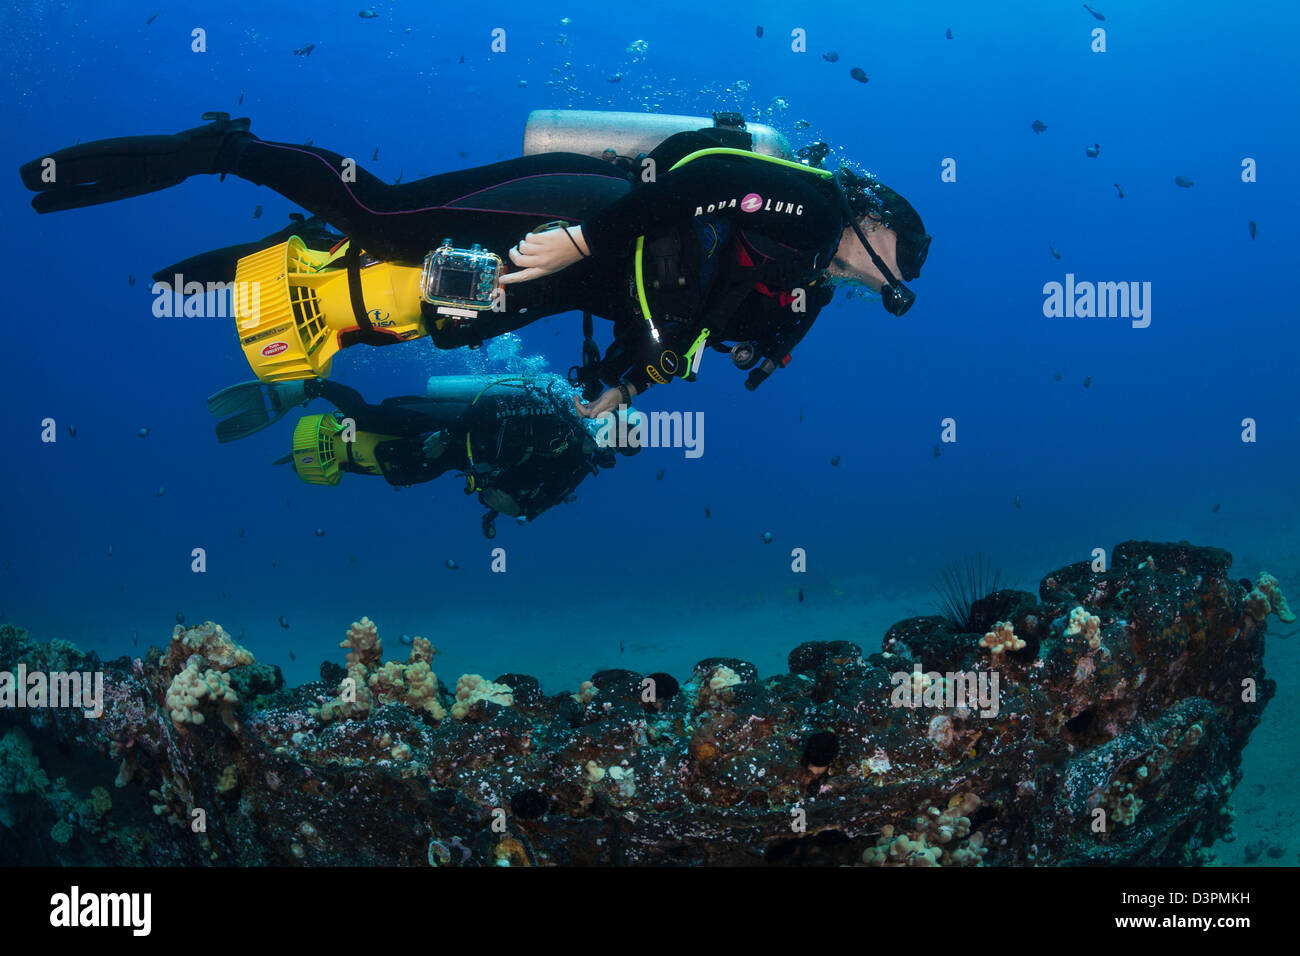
(868, 196)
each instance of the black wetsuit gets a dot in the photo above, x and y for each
(522, 443)
(728, 236)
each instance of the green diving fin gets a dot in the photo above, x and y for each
(247, 408)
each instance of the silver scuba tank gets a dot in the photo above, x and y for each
(465, 388)
(591, 132)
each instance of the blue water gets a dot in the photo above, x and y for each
(1148, 450)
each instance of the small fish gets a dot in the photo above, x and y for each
(320, 532)
(110, 550)
(304, 50)
(801, 414)
(859, 74)
(835, 461)
(352, 558)
(162, 490)
(801, 595)
(1099, 16)
(767, 537)
(180, 618)
(1252, 229)
(1119, 189)
(1038, 126)
(1093, 150)
(1056, 376)
(274, 565)
(1215, 509)
(620, 647)
(616, 78)
(143, 433)
(452, 565)
(406, 639)
(306, 142)
(223, 595)
(257, 212)
(1017, 502)
(938, 450)
(948, 33)
(462, 58)
(831, 57)
(241, 98)
(286, 502)
(135, 638)
(239, 533)
(758, 32)
(375, 158)
(707, 514)
(660, 475)
(284, 622)
(570, 498)
(1184, 182)
(398, 180)
(292, 657)
(1052, 249)
(130, 280)
(801, 124)
(72, 431)
(367, 15)
(150, 21)
(462, 154)
(1087, 381)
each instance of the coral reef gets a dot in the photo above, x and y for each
(1124, 699)
(1267, 597)
(1002, 639)
(370, 683)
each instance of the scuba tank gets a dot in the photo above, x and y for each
(593, 132)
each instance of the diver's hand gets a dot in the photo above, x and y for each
(609, 400)
(542, 253)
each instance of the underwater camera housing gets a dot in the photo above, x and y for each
(460, 278)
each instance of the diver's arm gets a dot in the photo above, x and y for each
(542, 253)
(675, 197)
(607, 401)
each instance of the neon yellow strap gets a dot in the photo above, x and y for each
(640, 288)
(697, 350)
(728, 151)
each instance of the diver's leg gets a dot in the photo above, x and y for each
(389, 418)
(492, 205)
(110, 169)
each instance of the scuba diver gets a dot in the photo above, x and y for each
(710, 238)
(515, 438)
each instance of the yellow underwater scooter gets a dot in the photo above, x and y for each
(319, 453)
(296, 307)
